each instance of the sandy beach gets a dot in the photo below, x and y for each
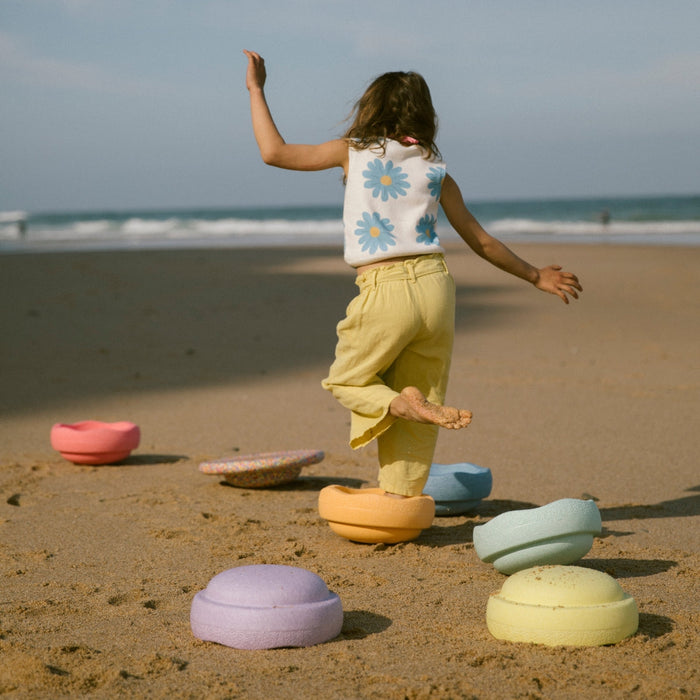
(215, 353)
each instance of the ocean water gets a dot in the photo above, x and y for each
(648, 220)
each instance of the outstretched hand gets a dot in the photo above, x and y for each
(256, 75)
(551, 279)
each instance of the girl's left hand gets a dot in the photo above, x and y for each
(551, 279)
(256, 75)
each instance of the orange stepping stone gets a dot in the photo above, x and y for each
(369, 516)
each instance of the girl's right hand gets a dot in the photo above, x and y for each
(256, 75)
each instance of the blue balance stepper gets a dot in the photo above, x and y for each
(457, 488)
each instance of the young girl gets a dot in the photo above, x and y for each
(395, 344)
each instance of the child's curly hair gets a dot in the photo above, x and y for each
(396, 105)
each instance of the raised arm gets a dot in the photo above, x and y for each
(273, 148)
(549, 279)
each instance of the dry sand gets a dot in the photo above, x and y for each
(218, 352)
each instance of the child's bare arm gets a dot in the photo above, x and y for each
(549, 279)
(273, 148)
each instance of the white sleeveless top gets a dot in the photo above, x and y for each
(391, 203)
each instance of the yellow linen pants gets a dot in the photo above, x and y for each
(398, 332)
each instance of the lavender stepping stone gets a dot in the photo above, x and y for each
(265, 606)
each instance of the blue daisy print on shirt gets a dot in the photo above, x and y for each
(374, 233)
(385, 180)
(426, 230)
(435, 177)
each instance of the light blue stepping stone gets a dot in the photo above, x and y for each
(457, 488)
(560, 532)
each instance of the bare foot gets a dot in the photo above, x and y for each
(412, 405)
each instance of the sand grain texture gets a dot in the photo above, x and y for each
(217, 353)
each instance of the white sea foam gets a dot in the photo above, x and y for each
(586, 228)
(91, 228)
(149, 227)
(9, 232)
(12, 216)
(287, 228)
(661, 220)
(277, 227)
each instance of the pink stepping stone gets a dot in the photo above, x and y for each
(95, 442)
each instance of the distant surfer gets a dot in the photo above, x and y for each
(604, 217)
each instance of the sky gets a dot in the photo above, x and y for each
(141, 104)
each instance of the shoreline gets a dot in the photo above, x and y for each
(216, 352)
(28, 246)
